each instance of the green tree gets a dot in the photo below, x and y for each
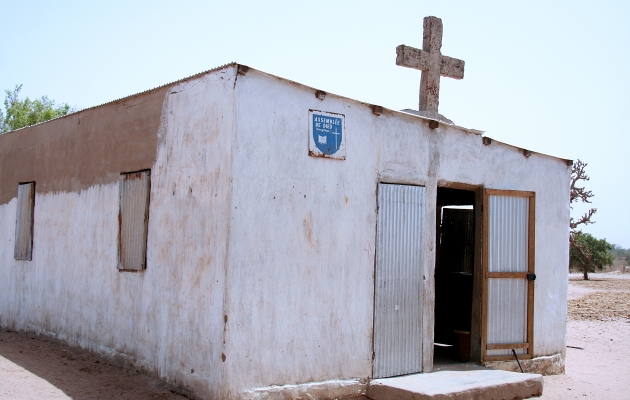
(19, 113)
(590, 254)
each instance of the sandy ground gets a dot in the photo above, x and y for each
(37, 367)
(597, 363)
(599, 325)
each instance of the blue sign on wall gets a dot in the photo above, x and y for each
(327, 136)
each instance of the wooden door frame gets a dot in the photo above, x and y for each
(529, 345)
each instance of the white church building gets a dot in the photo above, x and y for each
(246, 236)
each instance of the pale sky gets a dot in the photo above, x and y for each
(550, 76)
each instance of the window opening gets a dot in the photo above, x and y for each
(24, 221)
(133, 219)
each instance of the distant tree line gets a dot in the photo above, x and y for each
(621, 254)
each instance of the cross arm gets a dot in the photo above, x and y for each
(452, 67)
(411, 57)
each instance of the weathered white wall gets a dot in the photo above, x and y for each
(169, 317)
(301, 251)
(245, 226)
(300, 278)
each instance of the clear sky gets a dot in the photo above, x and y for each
(550, 76)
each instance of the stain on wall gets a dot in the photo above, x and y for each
(168, 318)
(90, 147)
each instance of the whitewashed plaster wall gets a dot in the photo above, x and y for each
(301, 250)
(169, 317)
(245, 226)
(300, 295)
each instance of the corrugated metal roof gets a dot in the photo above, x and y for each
(165, 85)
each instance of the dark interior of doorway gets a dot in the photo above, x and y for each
(454, 267)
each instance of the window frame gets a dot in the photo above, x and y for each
(24, 224)
(133, 220)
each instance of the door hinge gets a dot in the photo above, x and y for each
(373, 355)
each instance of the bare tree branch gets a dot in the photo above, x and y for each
(580, 194)
(578, 174)
(583, 220)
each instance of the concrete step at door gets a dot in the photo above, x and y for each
(477, 384)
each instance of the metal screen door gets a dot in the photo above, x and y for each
(508, 265)
(398, 281)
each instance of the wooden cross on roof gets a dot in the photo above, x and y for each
(432, 63)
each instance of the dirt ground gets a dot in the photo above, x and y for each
(597, 362)
(598, 340)
(37, 367)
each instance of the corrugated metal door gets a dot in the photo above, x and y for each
(133, 220)
(398, 291)
(508, 274)
(23, 249)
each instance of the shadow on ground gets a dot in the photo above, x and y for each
(35, 366)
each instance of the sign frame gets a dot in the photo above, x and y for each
(326, 126)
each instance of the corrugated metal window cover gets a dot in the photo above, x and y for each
(133, 219)
(398, 285)
(24, 221)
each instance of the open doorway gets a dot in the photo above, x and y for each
(454, 268)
